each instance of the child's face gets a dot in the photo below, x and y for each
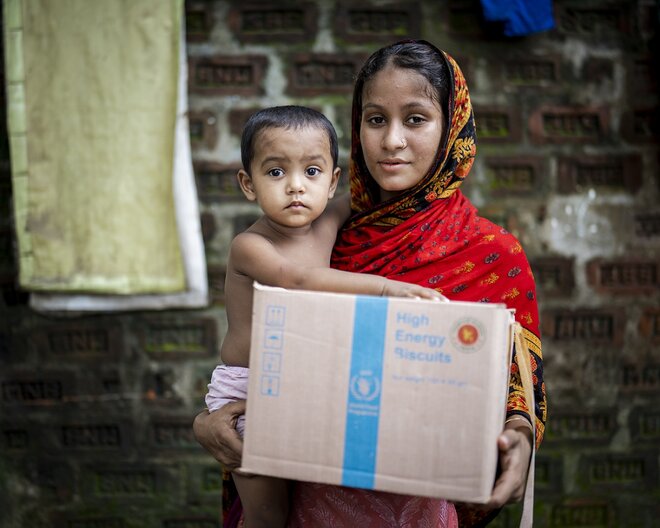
(291, 175)
(400, 130)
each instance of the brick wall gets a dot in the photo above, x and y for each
(95, 411)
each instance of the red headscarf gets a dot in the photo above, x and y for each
(431, 235)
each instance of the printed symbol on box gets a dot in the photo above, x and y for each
(271, 362)
(365, 386)
(270, 385)
(275, 315)
(468, 334)
(273, 339)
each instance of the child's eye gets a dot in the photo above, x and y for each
(313, 171)
(275, 173)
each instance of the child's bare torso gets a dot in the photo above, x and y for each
(310, 246)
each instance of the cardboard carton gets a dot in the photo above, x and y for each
(392, 394)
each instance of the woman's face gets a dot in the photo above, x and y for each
(401, 128)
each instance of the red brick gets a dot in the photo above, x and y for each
(559, 124)
(497, 124)
(27, 388)
(168, 432)
(576, 174)
(590, 325)
(203, 129)
(16, 437)
(554, 276)
(592, 21)
(238, 117)
(649, 325)
(582, 512)
(517, 175)
(99, 435)
(642, 77)
(464, 18)
(640, 377)
(636, 470)
(363, 22)
(568, 425)
(312, 74)
(641, 125)
(596, 70)
(644, 425)
(80, 340)
(530, 71)
(217, 181)
(227, 74)
(128, 481)
(629, 276)
(265, 22)
(548, 474)
(188, 338)
(647, 225)
(204, 482)
(199, 20)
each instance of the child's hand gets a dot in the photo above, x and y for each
(403, 289)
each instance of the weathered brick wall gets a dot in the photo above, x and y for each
(95, 411)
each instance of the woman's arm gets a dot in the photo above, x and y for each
(515, 449)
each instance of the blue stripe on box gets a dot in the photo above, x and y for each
(363, 409)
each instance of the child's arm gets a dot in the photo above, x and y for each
(256, 257)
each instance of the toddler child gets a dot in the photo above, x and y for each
(289, 156)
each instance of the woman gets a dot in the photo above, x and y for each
(413, 143)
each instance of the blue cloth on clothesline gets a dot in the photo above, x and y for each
(520, 17)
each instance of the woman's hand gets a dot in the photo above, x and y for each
(393, 288)
(216, 432)
(515, 449)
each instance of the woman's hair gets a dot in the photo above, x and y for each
(418, 55)
(287, 117)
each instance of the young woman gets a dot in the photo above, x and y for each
(413, 144)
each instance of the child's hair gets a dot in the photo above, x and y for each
(418, 55)
(287, 117)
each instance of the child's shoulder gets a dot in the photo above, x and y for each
(249, 240)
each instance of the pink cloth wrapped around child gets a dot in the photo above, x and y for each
(228, 384)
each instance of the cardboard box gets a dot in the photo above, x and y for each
(392, 394)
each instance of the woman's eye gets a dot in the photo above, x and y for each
(275, 173)
(416, 120)
(313, 171)
(376, 120)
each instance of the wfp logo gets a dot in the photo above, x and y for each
(365, 386)
(468, 334)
